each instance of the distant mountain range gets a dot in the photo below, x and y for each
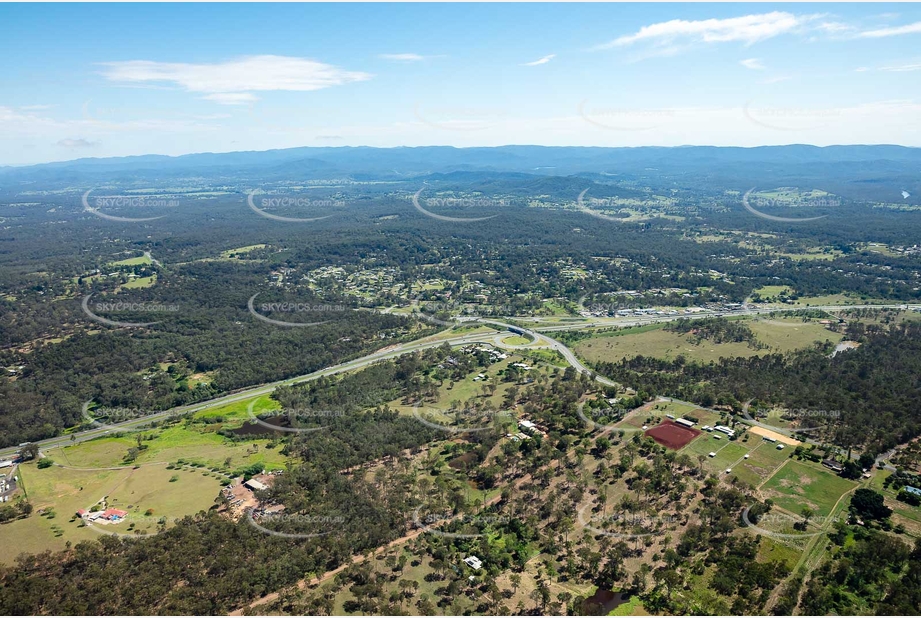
(892, 166)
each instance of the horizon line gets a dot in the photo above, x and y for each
(343, 147)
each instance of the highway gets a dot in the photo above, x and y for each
(652, 319)
(537, 332)
(264, 389)
(539, 337)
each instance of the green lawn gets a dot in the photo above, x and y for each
(726, 457)
(83, 481)
(785, 335)
(771, 291)
(781, 335)
(140, 282)
(658, 343)
(135, 261)
(232, 253)
(150, 488)
(704, 417)
(65, 491)
(798, 484)
(838, 299)
(763, 460)
(772, 549)
(704, 444)
(192, 441)
(237, 411)
(674, 408)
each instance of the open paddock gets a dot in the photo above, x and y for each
(62, 491)
(799, 484)
(726, 457)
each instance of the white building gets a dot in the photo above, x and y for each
(255, 485)
(473, 562)
(527, 426)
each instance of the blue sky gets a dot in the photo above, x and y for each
(112, 80)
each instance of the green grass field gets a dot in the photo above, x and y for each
(553, 308)
(772, 549)
(80, 478)
(140, 282)
(779, 334)
(837, 299)
(814, 254)
(232, 253)
(150, 489)
(191, 441)
(237, 411)
(785, 335)
(704, 444)
(658, 343)
(790, 196)
(771, 291)
(726, 457)
(673, 407)
(798, 484)
(704, 417)
(64, 491)
(764, 459)
(135, 261)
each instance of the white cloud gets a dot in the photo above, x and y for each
(35, 108)
(252, 73)
(748, 29)
(17, 119)
(753, 64)
(896, 68)
(543, 60)
(77, 143)
(402, 57)
(232, 98)
(833, 27)
(914, 28)
(902, 68)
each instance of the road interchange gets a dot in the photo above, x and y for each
(536, 332)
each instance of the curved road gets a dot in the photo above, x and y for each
(403, 348)
(553, 344)
(249, 393)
